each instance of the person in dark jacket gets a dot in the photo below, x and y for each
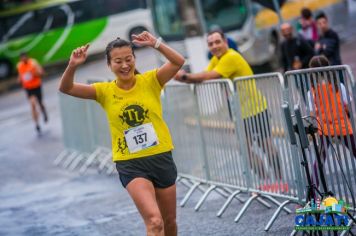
(328, 43)
(296, 51)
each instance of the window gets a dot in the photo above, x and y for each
(167, 19)
(111, 7)
(24, 24)
(228, 14)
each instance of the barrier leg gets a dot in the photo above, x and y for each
(223, 192)
(345, 231)
(105, 161)
(189, 193)
(76, 162)
(60, 157)
(190, 183)
(275, 215)
(244, 208)
(287, 210)
(227, 203)
(69, 159)
(294, 232)
(111, 169)
(90, 160)
(263, 202)
(185, 182)
(203, 198)
(230, 191)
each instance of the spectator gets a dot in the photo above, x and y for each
(296, 52)
(329, 99)
(227, 63)
(30, 72)
(307, 28)
(328, 43)
(230, 42)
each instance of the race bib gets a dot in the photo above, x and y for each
(27, 76)
(141, 137)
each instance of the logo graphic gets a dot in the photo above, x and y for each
(329, 214)
(121, 145)
(134, 115)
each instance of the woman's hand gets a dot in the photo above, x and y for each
(79, 55)
(144, 39)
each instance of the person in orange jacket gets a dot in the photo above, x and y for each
(29, 75)
(328, 98)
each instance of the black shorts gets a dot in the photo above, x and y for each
(258, 125)
(37, 92)
(159, 169)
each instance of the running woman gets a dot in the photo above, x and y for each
(141, 142)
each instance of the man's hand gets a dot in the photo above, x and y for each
(180, 76)
(317, 46)
(297, 65)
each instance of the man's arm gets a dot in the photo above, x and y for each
(39, 69)
(201, 76)
(198, 77)
(307, 52)
(283, 58)
(18, 74)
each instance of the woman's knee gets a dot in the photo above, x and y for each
(155, 223)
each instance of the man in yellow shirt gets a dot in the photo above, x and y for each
(227, 63)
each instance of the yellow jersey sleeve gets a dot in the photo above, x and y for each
(227, 66)
(99, 92)
(151, 78)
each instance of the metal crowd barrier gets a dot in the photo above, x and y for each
(223, 145)
(273, 166)
(181, 115)
(217, 116)
(85, 136)
(327, 100)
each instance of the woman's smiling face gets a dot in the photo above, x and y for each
(122, 63)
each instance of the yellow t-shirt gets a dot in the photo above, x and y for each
(136, 107)
(232, 65)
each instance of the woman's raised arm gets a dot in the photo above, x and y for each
(66, 84)
(175, 60)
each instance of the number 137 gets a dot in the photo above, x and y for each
(140, 138)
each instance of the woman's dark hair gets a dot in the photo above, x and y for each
(118, 43)
(322, 61)
(318, 61)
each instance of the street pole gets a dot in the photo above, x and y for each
(278, 11)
